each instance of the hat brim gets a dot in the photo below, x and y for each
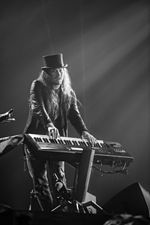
(45, 67)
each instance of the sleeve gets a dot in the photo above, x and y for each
(3, 117)
(75, 117)
(37, 104)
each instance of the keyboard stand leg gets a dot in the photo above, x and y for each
(77, 207)
(64, 206)
(34, 199)
(71, 207)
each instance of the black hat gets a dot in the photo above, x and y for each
(53, 61)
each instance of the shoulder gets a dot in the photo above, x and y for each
(36, 87)
(36, 84)
(73, 96)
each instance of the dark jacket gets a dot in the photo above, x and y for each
(41, 114)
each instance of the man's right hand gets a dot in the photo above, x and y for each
(53, 132)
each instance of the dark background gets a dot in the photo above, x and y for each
(106, 46)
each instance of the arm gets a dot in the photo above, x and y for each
(78, 122)
(38, 108)
(75, 117)
(37, 104)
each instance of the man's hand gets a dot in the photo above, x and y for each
(86, 135)
(53, 132)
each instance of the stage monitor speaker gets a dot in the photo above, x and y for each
(133, 200)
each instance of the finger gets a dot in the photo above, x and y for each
(11, 119)
(50, 133)
(93, 141)
(53, 133)
(57, 134)
(10, 111)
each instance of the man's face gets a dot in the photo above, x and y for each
(55, 77)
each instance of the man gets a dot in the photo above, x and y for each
(52, 104)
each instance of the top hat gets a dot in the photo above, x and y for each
(53, 61)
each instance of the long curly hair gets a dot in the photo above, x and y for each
(65, 89)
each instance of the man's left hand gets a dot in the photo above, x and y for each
(86, 135)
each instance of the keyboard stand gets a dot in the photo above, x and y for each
(77, 203)
(83, 174)
(80, 187)
(77, 207)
